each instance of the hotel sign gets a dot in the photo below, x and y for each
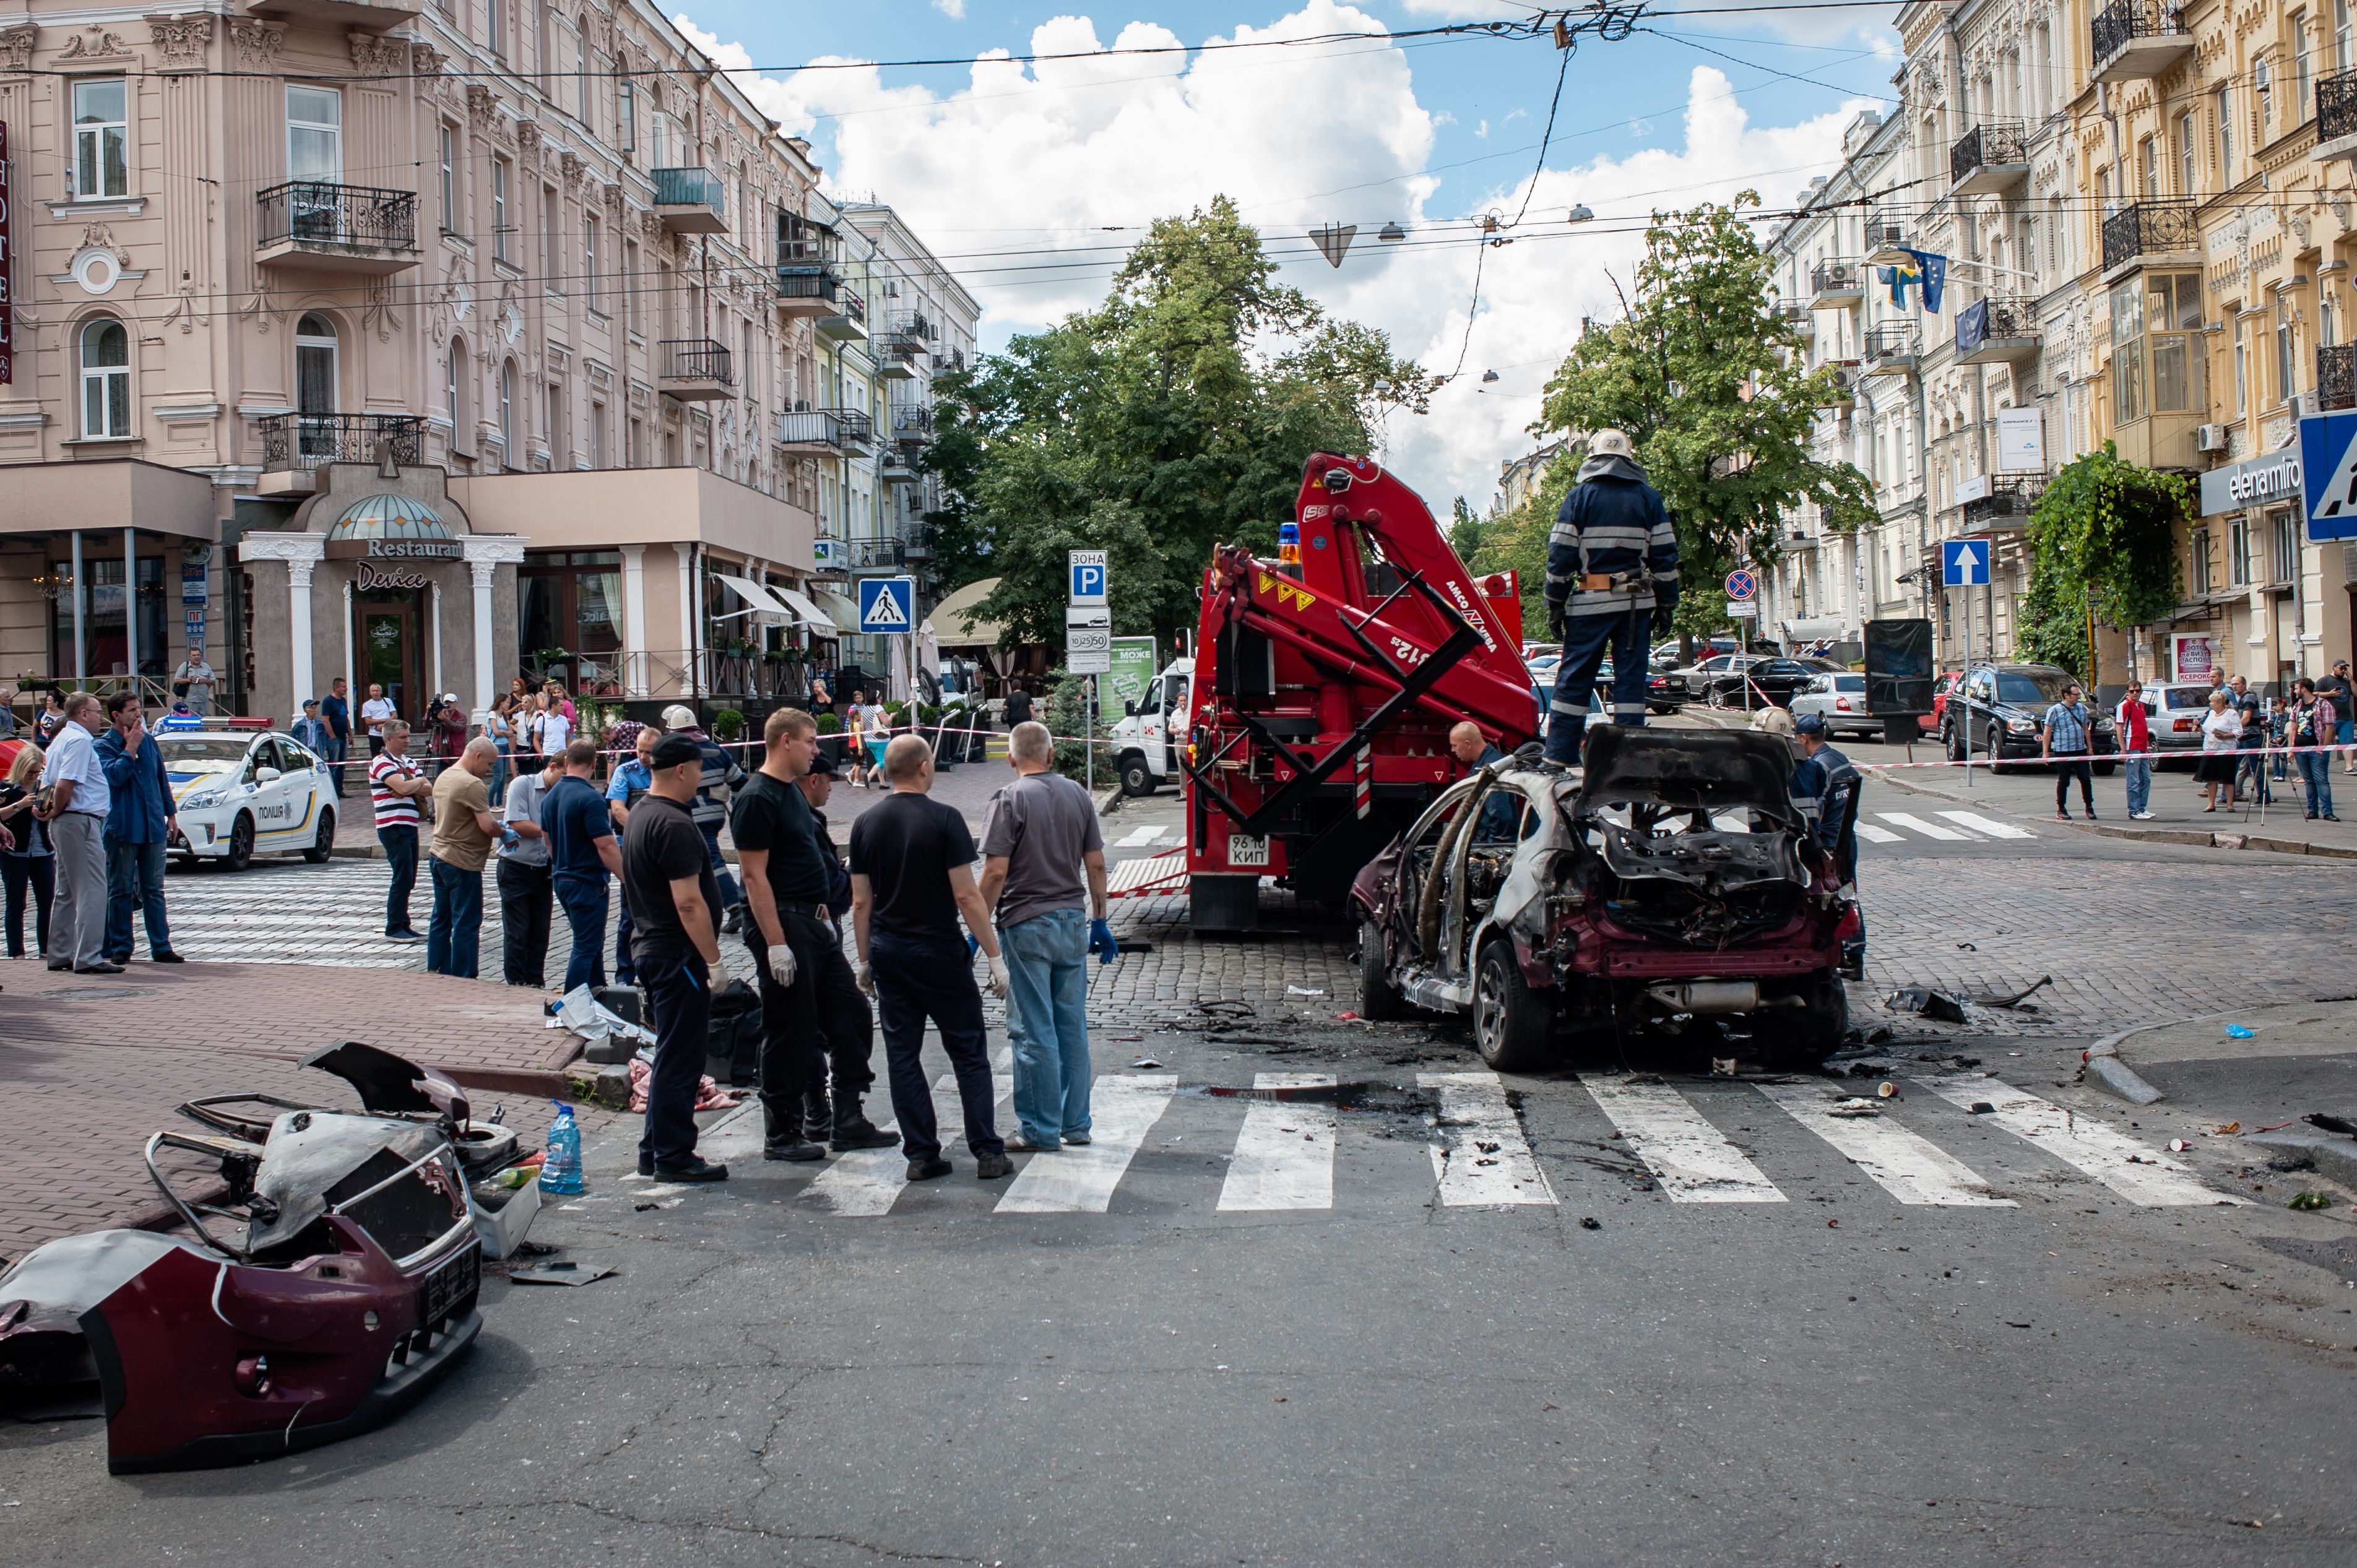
(7, 271)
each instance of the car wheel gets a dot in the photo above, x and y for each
(241, 843)
(1801, 1038)
(1952, 737)
(1378, 998)
(2105, 769)
(1511, 1021)
(1134, 778)
(323, 844)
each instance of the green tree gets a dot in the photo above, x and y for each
(1176, 415)
(1713, 389)
(2102, 544)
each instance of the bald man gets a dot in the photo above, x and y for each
(1500, 807)
(464, 832)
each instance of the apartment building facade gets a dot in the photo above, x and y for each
(543, 270)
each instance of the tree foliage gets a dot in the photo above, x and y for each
(1712, 387)
(1176, 415)
(2102, 536)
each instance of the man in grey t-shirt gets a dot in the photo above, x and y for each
(527, 895)
(1040, 848)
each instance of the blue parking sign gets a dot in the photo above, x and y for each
(1963, 563)
(887, 604)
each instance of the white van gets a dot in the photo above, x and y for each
(1145, 740)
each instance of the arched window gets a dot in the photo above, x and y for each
(315, 365)
(105, 379)
(507, 414)
(454, 391)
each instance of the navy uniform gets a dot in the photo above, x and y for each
(1822, 783)
(1612, 572)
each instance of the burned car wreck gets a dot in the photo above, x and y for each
(325, 1278)
(1670, 887)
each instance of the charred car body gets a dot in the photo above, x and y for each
(324, 1283)
(1669, 880)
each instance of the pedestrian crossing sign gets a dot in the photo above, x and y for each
(887, 604)
(2327, 463)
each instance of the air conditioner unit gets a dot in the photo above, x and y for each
(2209, 439)
(2303, 404)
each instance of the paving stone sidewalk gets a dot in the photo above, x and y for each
(96, 1063)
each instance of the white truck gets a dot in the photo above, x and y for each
(1145, 741)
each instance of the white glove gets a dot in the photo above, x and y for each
(999, 983)
(864, 978)
(781, 964)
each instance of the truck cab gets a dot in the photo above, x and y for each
(1142, 754)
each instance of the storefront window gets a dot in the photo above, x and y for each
(2157, 360)
(570, 619)
(106, 648)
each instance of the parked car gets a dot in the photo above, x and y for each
(1948, 682)
(1753, 680)
(237, 792)
(1689, 683)
(1838, 698)
(1669, 886)
(1998, 711)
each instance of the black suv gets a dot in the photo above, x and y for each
(2005, 705)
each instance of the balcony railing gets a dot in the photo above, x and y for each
(1885, 230)
(870, 554)
(2149, 229)
(1997, 144)
(2336, 107)
(689, 188)
(298, 443)
(693, 362)
(840, 429)
(805, 279)
(1893, 346)
(2336, 377)
(1834, 282)
(1997, 329)
(913, 422)
(2120, 24)
(2007, 499)
(309, 213)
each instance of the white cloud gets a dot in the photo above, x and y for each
(953, 9)
(1471, 10)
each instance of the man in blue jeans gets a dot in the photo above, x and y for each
(626, 787)
(581, 853)
(139, 823)
(464, 832)
(1040, 840)
(336, 710)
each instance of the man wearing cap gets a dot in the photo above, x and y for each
(310, 731)
(1612, 567)
(1823, 783)
(179, 718)
(674, 912)
(721, 775)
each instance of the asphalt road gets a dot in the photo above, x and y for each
(1930, 1335)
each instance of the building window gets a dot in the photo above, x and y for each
(106, 380)
(572, 600)
(2148, 165)
(2287, 367)
(2283, 534)
(454, 390)
(2343, 37)
(2303, 104)
(315, 365)
(499, 208)
(2157, 347)
(580, 75)
(2241, 370)
(497, 32)
(2263, 83)
(2188, 180)
(558, 437)
(637, 455)
(507, 414)
(2197, 550)
(596, 435)
(449, 179)
(2226, 136)
(2238, 554)
(629, 115)
(2328, 330)
(552, 232)
(102, 137)
(631, 283)
(315, 135)
(589, 258)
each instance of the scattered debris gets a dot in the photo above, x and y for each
(2236, 1032)
(2329, 1122)
(1305, 990)
(561, 1273)
(1888, 1091)
(1967, 947)
(1346, 1016)
(1833, 1224)
(1722, 1067)
(2177, 1145)
(1146, 1062)
(2019, 997)
(1588, 1222)
(2309, 1201)
(1931, 1004)
(2228, 1131)
(1983, 1108)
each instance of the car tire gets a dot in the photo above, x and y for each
(1799, 1039)
(323, 843)
(241, 843)
(1951, 738)
(1511, 1021)
(1379, 1000)
(1135, 778)
(2105, 769)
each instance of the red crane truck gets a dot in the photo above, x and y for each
(1325, 686)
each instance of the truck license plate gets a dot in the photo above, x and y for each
(1245, 850)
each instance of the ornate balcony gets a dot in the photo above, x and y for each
(2134, 39)
(2336, 377)
(691, 201)
(695, 370)
(337, 228)
(1991, 158)
(293, 445)
(2336, 117)
(1837, 284)
(1893, 349)
(1996, 332)
(807, 291)
(2150, 234)
(2008, 504)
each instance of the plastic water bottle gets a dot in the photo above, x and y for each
(560, 1173)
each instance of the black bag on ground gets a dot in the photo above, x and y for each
(733, 1049)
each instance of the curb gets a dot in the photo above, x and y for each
(2196, 838)
(2332, 1156)
(1109, 802)
(2105, 1065)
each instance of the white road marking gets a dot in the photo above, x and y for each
(1873, 834)
(1285, 1155)
(1694, 1160)
(865, 1182)
(1909, 1167)
(1989, 825)
(1138, 836)
(1123, 1108)
(1484, 1158)
(2152, 1179)
(1928, 830)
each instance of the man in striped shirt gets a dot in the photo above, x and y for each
(1612, 569)
(396, 786)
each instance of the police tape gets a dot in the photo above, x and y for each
(2074, 758)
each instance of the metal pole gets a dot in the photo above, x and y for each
(1959, 695)
(131, 606)
(81, 606)
(1089, 723)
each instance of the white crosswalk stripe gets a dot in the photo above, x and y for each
(1692, 1159)
(1136, 837)
(1907, 1165)
(1928, 830)
(865, 1182)
(1873, 834)
(1483, 1157)
(1080, 1179)
(1285, 1155)
(1989, 825)
(2135, 1170)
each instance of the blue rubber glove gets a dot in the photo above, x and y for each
(1100, 941)
(973, 946)
(510, 838)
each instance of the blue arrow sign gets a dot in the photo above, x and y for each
(887, 604)
(1963, 563)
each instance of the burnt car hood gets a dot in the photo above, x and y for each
(318, 1159)
(43, 1298)
(1687, 770)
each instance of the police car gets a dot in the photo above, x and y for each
(237, 792)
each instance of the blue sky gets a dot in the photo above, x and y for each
(1028, 179)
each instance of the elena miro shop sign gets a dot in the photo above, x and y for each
(2254, 481)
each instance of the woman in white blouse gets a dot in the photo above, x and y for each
(2222, 732)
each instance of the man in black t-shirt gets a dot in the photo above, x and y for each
(675, 920)
(806, 986)
(911, 876)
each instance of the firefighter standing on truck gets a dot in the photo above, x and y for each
(1613, 568)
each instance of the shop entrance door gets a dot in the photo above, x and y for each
(391, 650)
